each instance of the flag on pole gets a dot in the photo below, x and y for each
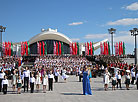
(85, 49)
(75, 48)
(40, 48)
(56, 48)
(59, 48)
(28, 48)
(70, 45)
(101, 47)
(45, 48)
(62, 50)
(78, 50)
(11, 49)
(108, 48)
(88, 48)
(123, 48)
(92, 49)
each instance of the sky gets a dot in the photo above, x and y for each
(80, 20)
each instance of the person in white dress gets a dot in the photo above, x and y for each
(38, 80)
(64, 76)
(14, 80)
(106, 79)
(45, 81)
(2, 74)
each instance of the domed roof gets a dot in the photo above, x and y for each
(50, 34)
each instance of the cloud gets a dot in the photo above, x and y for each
(96, 36)
(125, 37)
(75, 23)
(125, 21)
(133, 6)
(75, 39)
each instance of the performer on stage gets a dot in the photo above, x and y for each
(86, 82)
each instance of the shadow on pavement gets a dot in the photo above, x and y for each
(71, 94)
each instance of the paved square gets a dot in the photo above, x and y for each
(72, 92)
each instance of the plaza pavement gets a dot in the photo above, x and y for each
(72, 92)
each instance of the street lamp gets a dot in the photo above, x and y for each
(112, 31)
(134, 32)
(2, 29)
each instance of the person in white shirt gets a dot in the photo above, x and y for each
(2, 74)
(32, 82)
(26, 75)
(5, 85)
(45, 81)
(133, 75)
(56, 75)
(50, 80)
(38, 80)
(119, 79)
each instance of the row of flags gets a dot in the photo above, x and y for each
(42, 48)
(89, 48)
(119, 48)
(7, 48)
(74, 48)
(58, 48)
(25, 48)
(105, 48)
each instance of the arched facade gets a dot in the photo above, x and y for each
(49, 36)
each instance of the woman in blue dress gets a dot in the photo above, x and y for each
(86, 82)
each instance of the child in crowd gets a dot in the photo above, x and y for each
(19, 84)
(127, 81)
(45, 81)
(38, 80)
(114, 80)
(119, 79)
(32, 82)
(5, 85)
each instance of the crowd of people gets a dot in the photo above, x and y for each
(48, 68)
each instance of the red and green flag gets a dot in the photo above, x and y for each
(108, 48)
(78, 48)
(45, 48)
(62, 51)
(92, 49)
(123, 48)
(11, 49)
